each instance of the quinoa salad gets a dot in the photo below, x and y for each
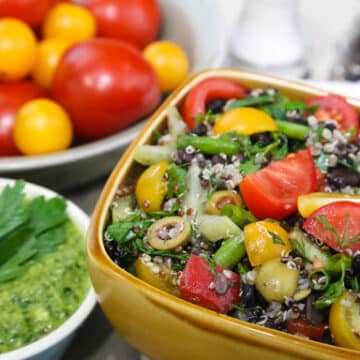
(248, 204)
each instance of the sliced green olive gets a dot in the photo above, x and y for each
(221, 198)
(169, 233)
(276, 281)
(158, 275)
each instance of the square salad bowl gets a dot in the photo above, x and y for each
(164, 326)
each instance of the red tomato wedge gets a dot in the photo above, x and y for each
(304, 327)
(337, 108)
(337, 225)
(208, 90)
(197, 283)
(272, 192)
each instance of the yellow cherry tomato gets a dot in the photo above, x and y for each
(151, 187)
(160, 276)
(265, 240)
(69, 21)
(344, 321)
(17, 49)
(42, 126)
(308, 203)
(50, 52)
(170, 62)
(245, 121)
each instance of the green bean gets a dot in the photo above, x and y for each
(230, 252)
(294, 131)
(207, 145)
(237, 215)
(260, 100)
(319, 279)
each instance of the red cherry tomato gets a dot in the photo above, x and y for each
(30, 11)
(304, 327)
(272, 192)
(337, 108)
(12, 97)
(337, 225)
(195, 285)
(208, 90)
(135, 21)
(104, 85)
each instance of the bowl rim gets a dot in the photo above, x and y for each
(81, 219)
(195, 314)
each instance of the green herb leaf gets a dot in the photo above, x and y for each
(177, 184)
(276, 238)
(332, 293)
(46, 213)
(166, 253)
(252, 101)
(249, 167)
(12, 210)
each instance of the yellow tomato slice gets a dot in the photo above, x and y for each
(151, 187)
(344, 321)
(308, 203)
(265, 240)
(245, 121)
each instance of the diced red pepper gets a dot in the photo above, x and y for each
(197, 285)
(304, 327)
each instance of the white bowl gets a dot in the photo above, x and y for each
(52, 346)
(198, 27)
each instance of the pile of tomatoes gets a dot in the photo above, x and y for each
(83, 69)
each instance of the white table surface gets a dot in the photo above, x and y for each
(324, 23)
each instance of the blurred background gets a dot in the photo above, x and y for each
(324, 32)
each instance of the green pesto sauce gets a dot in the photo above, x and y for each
(40, 300)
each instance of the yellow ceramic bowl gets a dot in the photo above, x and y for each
(166, 327)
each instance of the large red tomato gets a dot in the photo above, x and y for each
(135, 21)
(30, 11)
(272, 192)
(105, 85)
(12, 97)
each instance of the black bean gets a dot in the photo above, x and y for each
(273, 324)
(221, 284)
(240, 157)
(255, 314)
(330, 125)
(217, 159)
(200, 130)
(341, 177)
(248, 295)
(264, 138)
(356, 265)
(183, 157)
(215, 106)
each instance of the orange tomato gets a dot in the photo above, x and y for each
(17, 49)
(170, 62)
(50, 52)
(69, 21)
(245, 121)
(42, 126)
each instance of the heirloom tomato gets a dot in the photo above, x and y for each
(105, 85)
